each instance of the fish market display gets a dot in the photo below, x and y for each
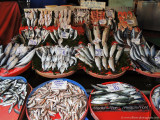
(70, 103)
(105, 58)
(13, 93)
(145, 57)
(15, 55)
(117, 96)
(156, 98)
(31, 17)
(56, 58)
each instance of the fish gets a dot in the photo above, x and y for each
(147, 51)
(112, 50)
(8, 49)
(86, 51)
(11, 59)
(111, 64)
(116, 39)
(88, 33)
(14, 48)
(129, 42)
(104, 62)
(105, 50)
(118, 55)
(152, 51)
(98, 62)
(52, 36)
(141, 50)
(105, 35)
(75, 34)
(91, 49)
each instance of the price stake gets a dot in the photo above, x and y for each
(115, 87)
(59, 85)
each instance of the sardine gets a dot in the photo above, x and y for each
(91, 49)
(111, 64)
(152, 51)
(118, 55)
(105, 50)
(98, 62)
(104, 62)
(113, 49)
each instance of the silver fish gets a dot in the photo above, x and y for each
(52, 36)
(75, 34)
(152, 51)
(104, 62)
(116, 39)
(147, 51)
(14, 48)
(105, 50)
(129, 42)
(10, 59)
(91, 49)
(141, 50)
(8, 49)
(98, 62)
(12, 64)
(111, 64)
(112, 50)
(85, 50)
(48, 58)
(132, 53)
(118, 55)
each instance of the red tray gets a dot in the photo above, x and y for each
(156, 74)
(118, 115)
(15, 71)
(152, 105)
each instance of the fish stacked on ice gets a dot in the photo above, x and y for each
(56, 57)
(15, 55)
(13, 93)
(70, 103)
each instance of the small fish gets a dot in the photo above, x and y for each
(105, 50)
(141, 50)
(104, 62)
(112, 50)
(118, 55)
(8, 49)
(105, 35)
(98, 62)
(52, 36)
(147, 51)
(12, 64)
(152, 51)
(111, 64)
(91, 49)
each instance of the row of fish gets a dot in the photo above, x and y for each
(15, 55)
(31, 17)
(45, 18)
(156, 98)
(56, 57)
(145, 58)
(104, 94)
(13, 94)
(101, 57)
(70, 103)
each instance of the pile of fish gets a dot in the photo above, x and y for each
(56, 57)
(45, 18)
(12, 93)
(156, 98)
(145, 58)
(128, 37)
(15, 55)
(81, 15)
(128, 96)
(45, 102)
(101, 57)
(31, 17)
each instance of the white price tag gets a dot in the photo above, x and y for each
(136, 41)
(115, 87)
(98, 52)
(64, 35)
(130, 22)
(102, 21)
(32, 42)
(59, 85)
(109, 13)
(62, 51)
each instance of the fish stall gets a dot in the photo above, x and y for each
(14, 93)
(57, 99)
(117, 100)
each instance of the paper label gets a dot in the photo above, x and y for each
(136, 41)
(98, 52)
(64, 35)
(130, 22)
(32, 42)
(157, 59)
(109, 13)
(62, 51)
(93, 4)
(102, 21)
(59, 85)
(115, 87)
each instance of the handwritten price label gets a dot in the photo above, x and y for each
(32, 42)
(115, 87)
(98, 52)
(62, 51)
(102, 21)
(59, 85)
(130, 22)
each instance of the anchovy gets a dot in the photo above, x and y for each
(104, 62)
(105, 50)
(118, 55)
(113, 49)
(152, 51)
(98, 62)
(91, 49)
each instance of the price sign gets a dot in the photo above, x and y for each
(98, 52)
(59, 85)
(102, 21)
(62, 51)
(130, 22)
(32, 42)
(115, 87)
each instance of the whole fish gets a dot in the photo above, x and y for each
(10, 59)
(98, 62)
(118, 55)
(152, 51)
(85, 50)
(105, 50)
(12, 63)
(104, 62)
(116, 39)
(147, 51)
(8, 49)
(88, 33)
(141, 50)
(111, 64)
(91, 49)
(14, 48)
(52, 36)
(105, 35)
(113, 49)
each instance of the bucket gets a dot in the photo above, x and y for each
(4, 110)
(118, 115)
(152, 105)
(64, 79)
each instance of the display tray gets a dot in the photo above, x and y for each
(4, 110)
(57, 75)
(152, 105)
(64, 79)
(15, 71)
(118, 115)
(155, 75)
